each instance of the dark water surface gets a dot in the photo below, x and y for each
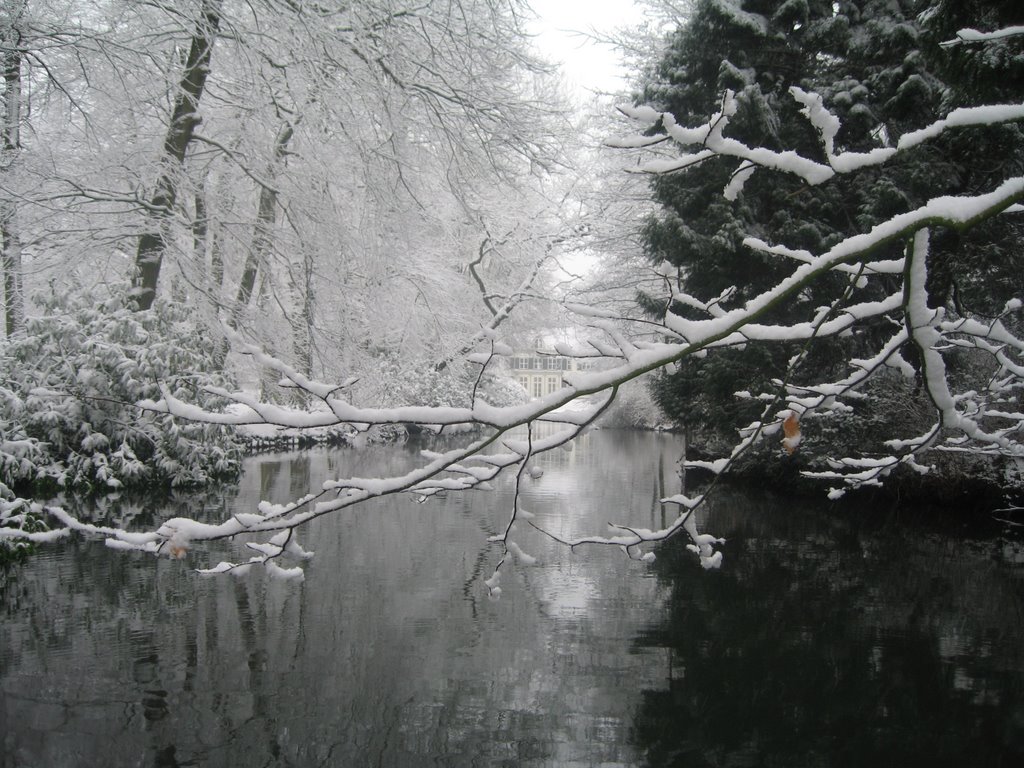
(827, 639)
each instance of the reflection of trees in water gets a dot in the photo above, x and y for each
(830, 640)
(388, 653)
(610, 476)
(143, 509)
(519, 681)
(826, 639)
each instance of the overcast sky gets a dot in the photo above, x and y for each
(586, 64)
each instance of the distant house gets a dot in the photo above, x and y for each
(541, 374)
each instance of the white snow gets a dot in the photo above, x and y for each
(969, 35)
(520, 556)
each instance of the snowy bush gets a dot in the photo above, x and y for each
(70, 383)
(453, 386)
(634, 408)
(16, 515)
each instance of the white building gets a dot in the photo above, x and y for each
(541, 374)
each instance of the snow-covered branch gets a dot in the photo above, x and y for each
(713, 143)
(968, 35)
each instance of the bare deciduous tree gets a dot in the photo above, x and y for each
(181, 127)
(10, 143)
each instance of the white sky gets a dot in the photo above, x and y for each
(585, 64)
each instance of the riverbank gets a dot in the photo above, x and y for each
(973, 486)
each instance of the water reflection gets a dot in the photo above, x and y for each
(824, 641)
(852, 639)
(389, 654)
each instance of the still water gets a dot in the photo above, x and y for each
(829, 638)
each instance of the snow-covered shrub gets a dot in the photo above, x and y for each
(634, 408)
(70, 382)
(16, 515)
(453, 386)
(502, 390)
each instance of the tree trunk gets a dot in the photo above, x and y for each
(266, 217)
(10, 137)
(301, 319)
(14, 310)
(184, 118)
(201, 236)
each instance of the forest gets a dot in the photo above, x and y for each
(796, 239)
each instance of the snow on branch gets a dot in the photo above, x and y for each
(974, 36)
(710, 137)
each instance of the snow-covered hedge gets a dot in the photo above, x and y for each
(68, 388)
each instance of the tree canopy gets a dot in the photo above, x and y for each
(880, 69)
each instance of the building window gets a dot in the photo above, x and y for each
(536, 386)
(552, 384)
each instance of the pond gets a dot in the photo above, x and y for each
(828, 638)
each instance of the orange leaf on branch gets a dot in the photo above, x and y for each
(791, 428)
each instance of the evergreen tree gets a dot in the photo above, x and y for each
(977, 272)
(879, 68)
